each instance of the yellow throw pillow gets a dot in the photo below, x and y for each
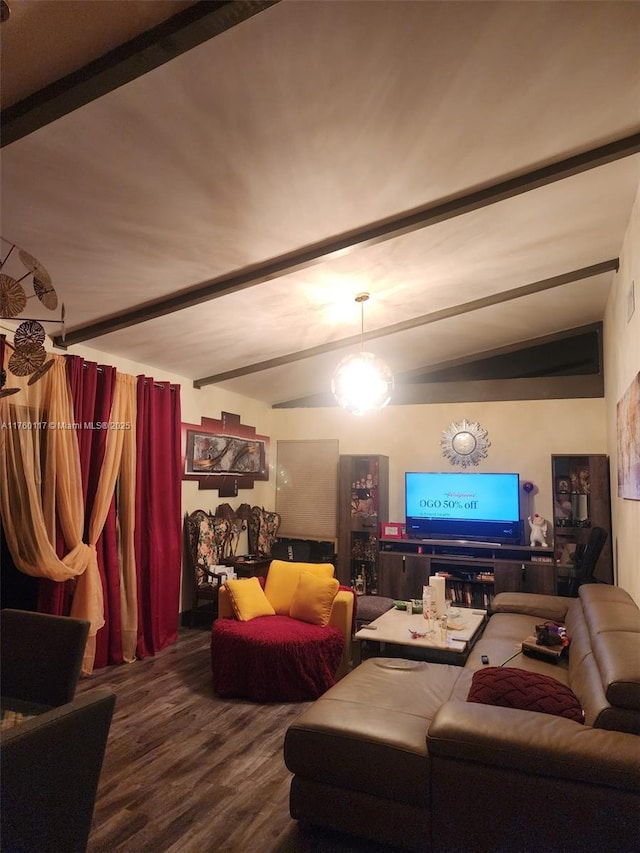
(313, 598)
(248, 599)
(282, 580)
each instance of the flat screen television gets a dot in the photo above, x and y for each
(467, 507)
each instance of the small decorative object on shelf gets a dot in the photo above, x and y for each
(563, 510)
(393, 530)
(538, 526)
(528, 488)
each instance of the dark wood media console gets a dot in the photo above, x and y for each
(475, 570)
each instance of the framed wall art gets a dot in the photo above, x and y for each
(628, 429)
(224, 454)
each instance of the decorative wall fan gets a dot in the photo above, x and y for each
(29, 355)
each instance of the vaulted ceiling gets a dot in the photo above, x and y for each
(209, 186)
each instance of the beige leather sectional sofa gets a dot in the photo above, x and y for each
(395, 753)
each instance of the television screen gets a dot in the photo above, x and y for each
(463, 505)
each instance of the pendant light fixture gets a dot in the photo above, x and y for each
(362, 382)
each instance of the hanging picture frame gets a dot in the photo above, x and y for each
(628, 440)
(224, 454)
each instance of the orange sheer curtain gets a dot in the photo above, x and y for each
(118, 468)
(40, 477)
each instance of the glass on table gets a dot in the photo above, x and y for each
(428, 607)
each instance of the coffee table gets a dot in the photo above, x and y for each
(391, 635)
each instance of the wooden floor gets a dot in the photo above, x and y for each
(187, 772)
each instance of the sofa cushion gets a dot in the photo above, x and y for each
(531, 604)
(368, 732)
(282, 581)
(502, 639)
(248, 599)
(511, 687)
(313, 599)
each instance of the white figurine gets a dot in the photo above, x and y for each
(538, 526)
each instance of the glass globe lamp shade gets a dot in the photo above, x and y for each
(361, 383)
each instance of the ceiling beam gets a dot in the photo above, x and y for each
(371, 234)
(423, 320)
(178, 34)
(415, 387)
(433, 372)
(476, 391)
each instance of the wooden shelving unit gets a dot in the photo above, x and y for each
(363, 503)
(475, 571)
(581, 500)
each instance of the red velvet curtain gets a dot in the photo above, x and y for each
(158, 534)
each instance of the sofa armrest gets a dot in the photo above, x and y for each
(535, 743)
(553, 607)
(505, 779)
(342, 618)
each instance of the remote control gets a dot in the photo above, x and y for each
(370, 627)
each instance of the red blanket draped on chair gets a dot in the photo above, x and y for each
(274, 658)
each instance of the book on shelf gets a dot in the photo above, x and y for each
(470, 595)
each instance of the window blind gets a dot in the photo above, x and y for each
(307, 488)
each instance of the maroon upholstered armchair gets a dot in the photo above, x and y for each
(288, 643)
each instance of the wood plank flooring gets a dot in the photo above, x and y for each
(187, 772)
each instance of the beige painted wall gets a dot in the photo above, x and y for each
(622, 363)
(523, 436)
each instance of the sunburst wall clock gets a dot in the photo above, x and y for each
(465, 443)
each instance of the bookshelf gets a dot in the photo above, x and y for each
(474, 572)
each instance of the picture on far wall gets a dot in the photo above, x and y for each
(215, 454)
(224, 454)
(628, 430)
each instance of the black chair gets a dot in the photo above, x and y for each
(587, 560)
(53, 742)
(41, 656)
(50, 767)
